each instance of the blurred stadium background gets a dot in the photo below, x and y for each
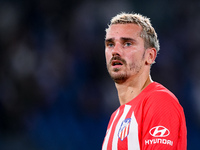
(55, 93)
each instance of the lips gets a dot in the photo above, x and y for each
(116, 63)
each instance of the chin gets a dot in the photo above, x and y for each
(119, 78)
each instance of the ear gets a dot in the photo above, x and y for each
(151, 56)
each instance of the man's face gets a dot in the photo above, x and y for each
(125, 52)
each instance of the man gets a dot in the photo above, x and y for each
(150, 116)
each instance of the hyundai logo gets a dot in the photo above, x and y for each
(159, 131)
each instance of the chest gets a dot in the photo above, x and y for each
(123, 129)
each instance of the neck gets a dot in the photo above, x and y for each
(131, 88)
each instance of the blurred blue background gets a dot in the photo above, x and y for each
(55, 92)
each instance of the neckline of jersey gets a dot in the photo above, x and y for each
(143, 91)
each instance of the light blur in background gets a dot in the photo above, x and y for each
(55, 92)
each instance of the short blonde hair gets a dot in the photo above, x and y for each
(148, 32)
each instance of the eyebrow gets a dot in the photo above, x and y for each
(127, 39)
(122, 38)
(109, 40)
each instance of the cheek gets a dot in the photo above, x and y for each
(133, 59)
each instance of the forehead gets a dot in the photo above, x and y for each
(123, 30)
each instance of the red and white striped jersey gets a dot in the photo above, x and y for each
(154, 120)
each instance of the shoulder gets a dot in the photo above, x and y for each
(161, 113)
(160, 99)
(159, 93)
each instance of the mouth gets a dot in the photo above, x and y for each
(116, 63)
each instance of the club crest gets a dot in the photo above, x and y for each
(124, 129)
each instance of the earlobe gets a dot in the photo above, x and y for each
(151, 56)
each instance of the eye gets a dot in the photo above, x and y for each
(109, 44)
(127, 44)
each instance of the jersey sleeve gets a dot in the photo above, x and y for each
(163, 123)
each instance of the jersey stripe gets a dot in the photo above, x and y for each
(122, 118)
(133, 141)
(105, 144)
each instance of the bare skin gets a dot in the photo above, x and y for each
(128, 61)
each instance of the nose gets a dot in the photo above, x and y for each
(116, 50)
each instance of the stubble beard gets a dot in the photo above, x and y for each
(120, 76)
(117, 76)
